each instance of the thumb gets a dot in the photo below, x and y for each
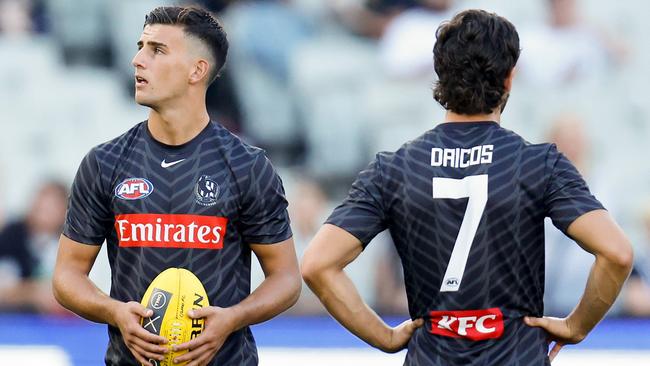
(534, 322)
(417, 323)
(198, 313)
(141, 310)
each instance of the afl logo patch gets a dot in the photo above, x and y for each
(133, 189)
(206, 191)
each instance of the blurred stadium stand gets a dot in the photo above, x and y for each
(317, 97)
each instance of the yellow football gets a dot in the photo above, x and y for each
(171, 295)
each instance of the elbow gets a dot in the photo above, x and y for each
(623, 257)
(626, 258)
(295, 287)
(309, 270)
(57, 287)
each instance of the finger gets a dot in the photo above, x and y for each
(417, 323)
(142, 333)
(204, 359)
(556, 349)
(149, 347)
(192, 355)
(199, 313)
(193, 344)
(535, 322)
(147, 355)
(136, 353)
(140, 310)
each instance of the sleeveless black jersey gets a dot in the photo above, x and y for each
(196, 206)
(465, 204)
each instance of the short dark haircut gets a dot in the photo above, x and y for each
(199, 23)
(473, 55)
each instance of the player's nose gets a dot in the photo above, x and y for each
(138, 61)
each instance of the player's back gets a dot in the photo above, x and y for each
(465, 204)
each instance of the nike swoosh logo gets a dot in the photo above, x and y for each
(165, 164)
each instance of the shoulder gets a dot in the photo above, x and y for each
(542, 150)
(100, 163)
(239, 154)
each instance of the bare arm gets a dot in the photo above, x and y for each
(597, 233)
(279, 290)
(72, 287)
(331, 250)
(75, 291)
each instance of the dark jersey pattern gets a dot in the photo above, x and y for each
(476, 187)
(213, 177)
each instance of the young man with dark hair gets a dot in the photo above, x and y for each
(178, 190)
(465, 204)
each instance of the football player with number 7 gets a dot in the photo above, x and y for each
(465, 204)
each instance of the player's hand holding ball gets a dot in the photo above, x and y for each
(219, 324)
(143, 344)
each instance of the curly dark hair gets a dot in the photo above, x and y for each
(473, 55)
(199, 23)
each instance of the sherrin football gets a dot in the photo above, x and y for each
(171, 295)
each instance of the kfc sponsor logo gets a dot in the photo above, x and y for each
(170, 231)
(133, 189)
(475, 325)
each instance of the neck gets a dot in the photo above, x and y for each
(460, 118)
(178, 124)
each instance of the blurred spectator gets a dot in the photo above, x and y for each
(15, 17)
(565, 49)
(371, 17)
(28, 253)
(567, 264)
(308, 210)
(406, 46)
(637, 290)
(405, 30)
(269, 32)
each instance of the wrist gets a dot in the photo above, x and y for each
(237, 318)
(110, 309)
(382, 339)
(578, 331)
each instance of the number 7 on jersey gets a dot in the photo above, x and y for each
(475, 187)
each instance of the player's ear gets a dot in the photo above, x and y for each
(508, 82)
(200, 71)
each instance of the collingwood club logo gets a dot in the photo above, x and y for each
(206, 191)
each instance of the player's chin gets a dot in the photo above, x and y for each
(143, 101)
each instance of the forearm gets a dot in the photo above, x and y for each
(341, 298)
(77, 293)
(275, 294)
(603, 286)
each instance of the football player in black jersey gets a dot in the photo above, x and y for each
(178, 190)
(465, 204)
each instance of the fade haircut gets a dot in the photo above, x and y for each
(473, 55)
(197, 23)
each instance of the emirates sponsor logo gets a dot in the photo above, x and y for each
(170, 231)
(475, 325)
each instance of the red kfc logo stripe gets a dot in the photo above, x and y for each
(170, 231)
(471, 324)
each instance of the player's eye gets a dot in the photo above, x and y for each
(158, 50)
